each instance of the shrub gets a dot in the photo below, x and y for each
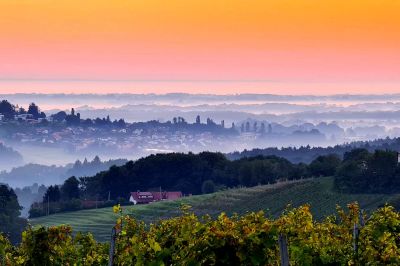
(251, 239)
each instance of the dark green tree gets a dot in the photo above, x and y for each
(325, 165)
(10, 222)
(70, 189)
(34, 110)
(7, 109)
(52, 194)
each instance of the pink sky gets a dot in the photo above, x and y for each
(281, 47)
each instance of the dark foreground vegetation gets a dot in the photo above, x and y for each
(348, 238)
(10, 222)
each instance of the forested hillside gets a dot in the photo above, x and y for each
(365, 172)
(29, 174)
(189, 173)
(206, 172)
(307, 154)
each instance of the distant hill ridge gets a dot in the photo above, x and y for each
(9, 157)
(51, 174)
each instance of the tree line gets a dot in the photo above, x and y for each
(307, 154)
(362, 171)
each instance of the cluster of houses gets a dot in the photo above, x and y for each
(122, 142)
(26, 118)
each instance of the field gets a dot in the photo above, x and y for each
(273, 199)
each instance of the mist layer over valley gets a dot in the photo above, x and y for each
(179, 122)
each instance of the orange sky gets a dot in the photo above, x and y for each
(225, 46)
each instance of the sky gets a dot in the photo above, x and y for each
(200, 46)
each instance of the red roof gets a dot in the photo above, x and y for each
(151, 196)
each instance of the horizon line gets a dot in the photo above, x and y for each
(262, 80)
(138, 80)
(206, 94)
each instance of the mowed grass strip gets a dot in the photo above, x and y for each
(273, 199)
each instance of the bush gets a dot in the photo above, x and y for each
(57, 246)
(325, 165)
(251, 239)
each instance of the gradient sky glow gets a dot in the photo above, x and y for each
(203, 46)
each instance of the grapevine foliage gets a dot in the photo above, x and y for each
(251, 239)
